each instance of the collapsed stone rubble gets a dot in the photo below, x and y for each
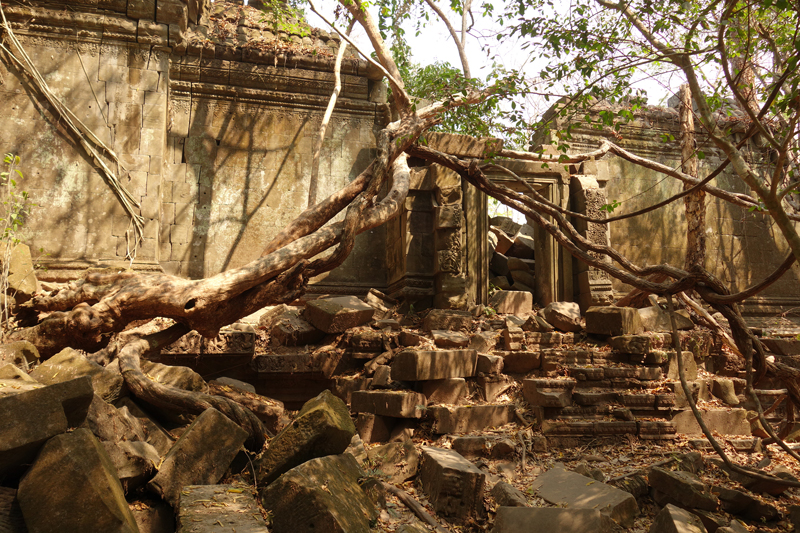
(465, 412)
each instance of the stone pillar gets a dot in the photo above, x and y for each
(587, 197)
(450, 283)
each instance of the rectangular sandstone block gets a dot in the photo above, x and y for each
(574, 491)
(468, 418)
(454, 486)
(412, 365)
(397, 404)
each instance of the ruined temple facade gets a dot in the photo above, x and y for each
(214, 113)
(743, 247)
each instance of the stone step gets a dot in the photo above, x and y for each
(645, 429)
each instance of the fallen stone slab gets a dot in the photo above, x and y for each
(211, 508)
(200, 457)
(722, 421)
(656, 319)
(449, 339)
(552, 520)
(70, 364)
(504, 242)
(682, 488)
(467, 418)
(448, 319)
(522, 247)
(499, 265)
(154, 433)
(439, 391)
(574, 491)
(290, 329)
(32, 417)
(72, 487)
(454, 486)
(322, 427)
(723, 389)
(673, 519)
(397, 404)
(108, 424)
(417, 365)
(511, 302)
(507, 495)
(322, 494)
(135, 462)
(743, 504)
(565, 316)
(613, 321)
(336, 315)
(782, 345)
(396, 461)
(483, 342)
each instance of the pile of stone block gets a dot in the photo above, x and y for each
(79, 453)
(512, 263)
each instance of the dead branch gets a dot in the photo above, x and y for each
(415, 506)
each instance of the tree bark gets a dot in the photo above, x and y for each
(695, 201)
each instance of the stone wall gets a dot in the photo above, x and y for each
(742, 247)
(213, 114)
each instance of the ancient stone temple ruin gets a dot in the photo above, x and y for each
(213, 112)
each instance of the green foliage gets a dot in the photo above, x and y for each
(16, 205)
(610, 207)
(285, 16)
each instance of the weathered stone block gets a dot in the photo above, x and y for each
(451, 320)
(322, 427)
(200, 457)
(374, 428)
(683, 488)
(454, 486)
(412, 365)
(397, 461)
(73, 487)
(553, 519)
(568, 489)
(689, 366)
(673, 519)
(521, 362)
(507, 495)
(499, 264)
(633, 344)
(613, 321)
(469, 418)
(154, 433)
(523, 247)
(22, 354)
(565, 316)
(513, 337)
(724, 422)
(69, 364)
(335, 315)
(292, 330)
(449, 390)
(135, 462)
(512, 302)
(398, 404)
(489, 364)
(322, 494)
(30, 418)
(548, 392)
(447, 216)
(208, 507)
(449, 339)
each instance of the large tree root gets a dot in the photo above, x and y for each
(180, 400)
